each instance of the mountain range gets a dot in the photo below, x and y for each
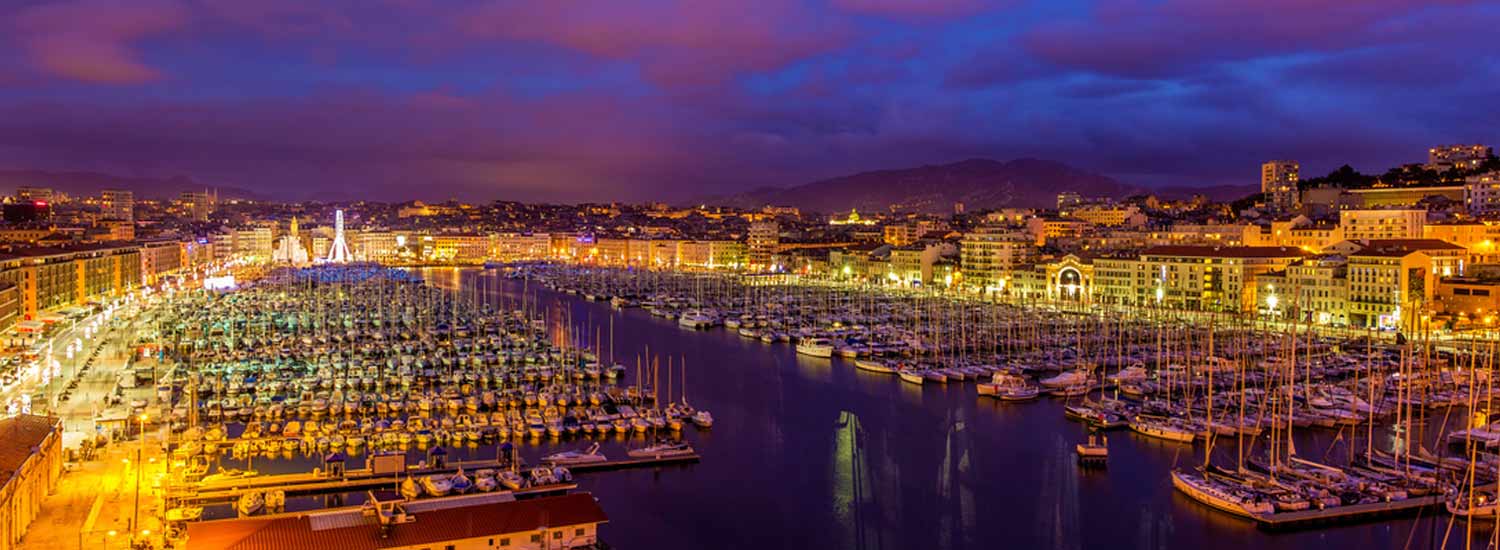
(80, 184)
(977, 183)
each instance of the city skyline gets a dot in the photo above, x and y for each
(572, 102)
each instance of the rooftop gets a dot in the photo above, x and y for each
(431, 526)
(1226, 251)
(20, 436)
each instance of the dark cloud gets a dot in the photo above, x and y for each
(572, 100)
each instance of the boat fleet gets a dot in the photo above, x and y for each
(1175, 377)
(365, 359)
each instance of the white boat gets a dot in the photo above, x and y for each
(485, 482)
(874, 365)
(1067, 379)
(911, 376)
(662, 450)
(816, 347)
(702, 419)
(510, 479)
(409, 489)
(250, 503)
(1219, 495)
(1133, 373)
(1480, 505)
(586, 456)
(1162, 429)
(436, 485)
(1009, 387)
(184, 513)
(695, 320)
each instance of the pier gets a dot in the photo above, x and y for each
(225, 490)
(1345, 514)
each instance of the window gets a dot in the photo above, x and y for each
(536, 538)
(505, 541)
(557, 534)
(578, 532)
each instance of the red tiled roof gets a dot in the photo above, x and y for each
(430, 527)
(1226, 251)
(18, 437)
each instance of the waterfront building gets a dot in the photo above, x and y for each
(51, 278)
(1473, 301)
(1464, 157)
(254, 243)
(1388, 287)
(988, 254)
(1122, 280)
(161, 259)
(761, 243)
(459, 248)
(471, 522)
(711, 254)
(30, 464)
(1278, 183)
(1069, 278)
(376, 246)
(1213, 278)
(610, 251)
(1314, 290)
(516, 247)
(1393, 223)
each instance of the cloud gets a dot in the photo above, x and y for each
(94, 40)
(676, 42)
(916, 8)
(1157, 39)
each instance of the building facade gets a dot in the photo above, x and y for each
(1278, 182)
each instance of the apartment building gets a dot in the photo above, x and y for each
(988, 254)
(1278, 183)
(1394, 223)
(1213, 278)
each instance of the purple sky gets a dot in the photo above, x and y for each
(564, 100)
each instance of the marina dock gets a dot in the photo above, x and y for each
(224, 490)
(1346, 514)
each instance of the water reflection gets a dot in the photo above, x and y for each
(812, 453)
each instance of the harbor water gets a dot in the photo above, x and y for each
(812, 453)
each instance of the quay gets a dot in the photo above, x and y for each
(1345, 514)
(223, 490)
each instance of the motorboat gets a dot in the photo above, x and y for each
(587, 456)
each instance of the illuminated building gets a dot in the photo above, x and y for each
(1465, 157)
(117, 204)
(1278, 182)
(1382, 223)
